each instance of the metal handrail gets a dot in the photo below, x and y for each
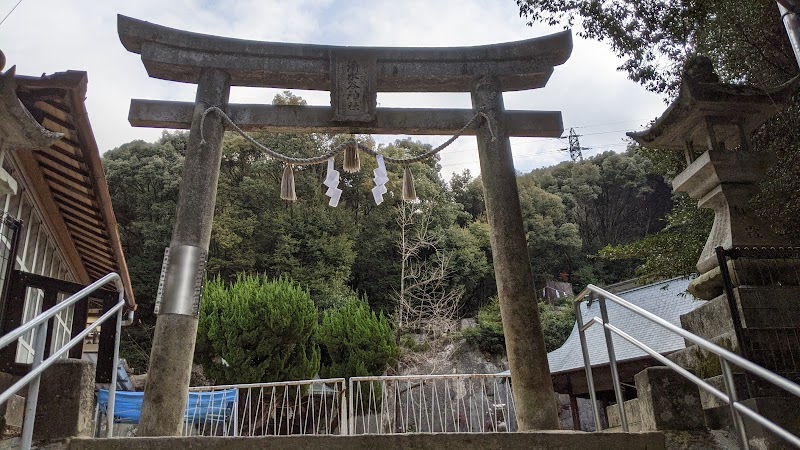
(726, 357)
(39, 365)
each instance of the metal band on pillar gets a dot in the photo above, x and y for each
(181, 285)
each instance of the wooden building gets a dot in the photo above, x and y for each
(58, 231)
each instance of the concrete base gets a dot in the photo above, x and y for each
(631, 413)
(66, 400)
(700, 440)
(783, 411)
(11, 416)
(508, 441)
(667, 401)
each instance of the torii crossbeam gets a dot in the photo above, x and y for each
(354, 76)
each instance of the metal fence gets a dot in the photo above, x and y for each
(762, 286)
(459, 403)
(269, 409)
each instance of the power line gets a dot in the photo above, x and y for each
(9, 13)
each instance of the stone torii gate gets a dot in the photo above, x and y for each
(353, 75)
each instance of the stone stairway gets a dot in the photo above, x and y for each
(763, 316)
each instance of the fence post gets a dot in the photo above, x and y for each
(588, 366)
(612, 360)
(344, 425)
(33, 389)
(730, 386)
(351, 421)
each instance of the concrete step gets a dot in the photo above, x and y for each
(709, 401)
(710, 320)
(783, 411)
(631, 412)
(701, 362)
(455, 441)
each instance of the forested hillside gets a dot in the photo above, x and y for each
(384, 253)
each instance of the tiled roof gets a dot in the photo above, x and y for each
(666, 299)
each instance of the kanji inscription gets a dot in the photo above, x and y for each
(353, 93)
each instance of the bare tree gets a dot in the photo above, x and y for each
(425, 302)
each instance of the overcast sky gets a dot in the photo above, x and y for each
(46, 36)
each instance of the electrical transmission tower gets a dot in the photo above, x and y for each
(574, 146)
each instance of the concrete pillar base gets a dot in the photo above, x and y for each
(667, 401)
(66, 401)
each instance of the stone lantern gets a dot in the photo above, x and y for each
(710, 123)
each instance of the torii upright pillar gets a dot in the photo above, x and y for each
(353, 75)
(527, 356)
(171, 357)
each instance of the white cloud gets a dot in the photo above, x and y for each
(46, 36)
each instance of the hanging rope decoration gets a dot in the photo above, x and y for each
(351, 163)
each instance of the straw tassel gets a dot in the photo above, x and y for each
(287, 184)
(409, 193)
(352, 162)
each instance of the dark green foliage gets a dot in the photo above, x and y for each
(571, 210)
(355, 341)
(557, 323)
(673, 250)
(744, 37)
(263, 330)
(143, 180)
(747, 42)
(487, 336)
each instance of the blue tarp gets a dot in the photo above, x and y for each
(201, 407)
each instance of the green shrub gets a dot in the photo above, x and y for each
(255, 330)
(487, 336)
(355, 341)
(557, 323)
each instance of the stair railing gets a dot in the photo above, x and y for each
(726, 358)
(39, 365)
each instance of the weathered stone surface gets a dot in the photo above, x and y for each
(354, 96)
(178, 55)
(15, 444)
(716, 180)
(700, 440)
(710, 401)
(66, 400)
(20, 131)
(632, 414)
(170, 368)
(317, 119)
(13, 412)
(710, 320)
(785, 412)
(703, 363)
(540, 440)
(707, 286)
(527, 356)
(667, 401)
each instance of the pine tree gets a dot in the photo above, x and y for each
(255, 330)
(355, 341)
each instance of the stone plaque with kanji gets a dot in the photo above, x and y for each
(353, 87)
